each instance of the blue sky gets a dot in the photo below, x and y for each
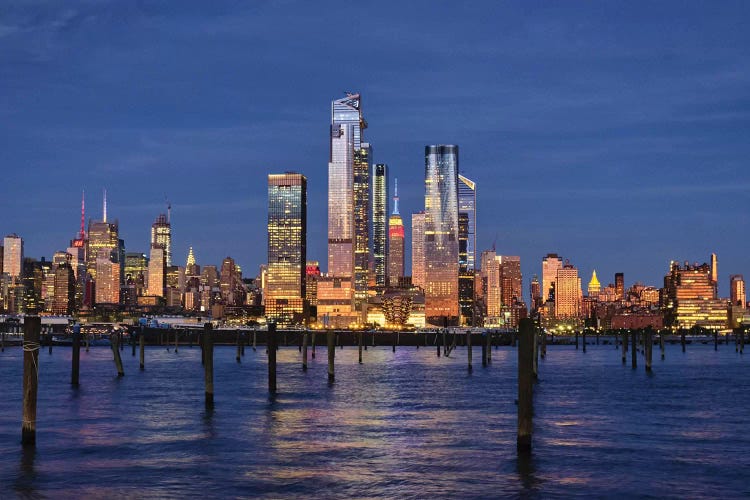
(613, 133)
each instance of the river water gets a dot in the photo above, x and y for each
(407, 424)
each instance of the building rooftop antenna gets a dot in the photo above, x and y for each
(105, 206)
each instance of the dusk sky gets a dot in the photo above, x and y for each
(615, 134)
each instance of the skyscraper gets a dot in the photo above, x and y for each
(157, 271)
(285, 290)
(161, 235)
(619, 286)
(594, 286)
(689, 297)
(550, 264)
(13, 255)
(361, 167)
(107, 287)
(567, 293)
(102, 235)
(467, 200)
(379, 230)
(441, 234)
(417, 249)
(396, 243)
(737, 290)
(64, 295)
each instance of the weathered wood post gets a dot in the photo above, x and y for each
(114, 342)
(484, 353)
(682, 339)
(239, 349)
(331, 354)
(437, 344)
(624, 347)
(661, 343)
(742, 340)
(313, 345)
(649, 348)
(359, 346)
(445, 342)
(490, 340)
(304, 351)
(535, 359)
(2, 338)
(88, 341)
(131, 335)
(469, 351)
(255, 338)
(576, 339)
(32, 326)
(142, 348)
(243, 341)
(208, 367)
(49, 340)
(272, 343)
(393, 341)
(634, 349)
(75, 356)
(525, 384)
(544, 343)
(716, 340)
(176, 340)
(584, 341)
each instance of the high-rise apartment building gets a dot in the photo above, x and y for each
(737, 290)
(107, 277)
(417, 249)
(689, 297)
(13, 255)
(441, 234)
(64, 295)
(396, 244)
(161, 235)
(511, 282)
(361, 167)
(550, 264)
(535, 293)
(568, 293)
(619, 286)
(379, 229)
(285, 288)
(467, 215)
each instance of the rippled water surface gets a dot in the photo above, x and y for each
(407, 424)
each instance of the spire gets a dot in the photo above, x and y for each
(82, 234)
(191, 257)
(104, 219)
(395, 199)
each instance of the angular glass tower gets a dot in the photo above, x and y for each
(287, 248)
(467, 215)
(379, 232)
(441, 235)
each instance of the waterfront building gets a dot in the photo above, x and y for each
(737, 290)
(161, 235)
(335, 308)
(395, 244)
(441, 235)
(417, 249)
(594, 286)
(467, 215)
(286, 278)
(568, 293)
(550, 264)
(689, 297)
(13, 255)
(619, 286)
(379, 229)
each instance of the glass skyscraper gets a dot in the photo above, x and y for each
(361, 169)
(287, 248)
(396, 242)
(441, 234)
(379, 231)
(467, 215)
(161, 236)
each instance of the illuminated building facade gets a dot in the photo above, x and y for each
(361, 167)
(286, 280)
(550, 264)
(619, 286)
(568, 293)
(737, 290)
(594, 286)
(441, 235)
(334, 302)
(107, 271)
(13, 255)
(312, 273)
(157, 271)
(396, 244)
(535, 293)
(161, 236)
(379, 230)
(64, 295)
(689, 298)
(417, 249)
(136, 271)
(467, 215)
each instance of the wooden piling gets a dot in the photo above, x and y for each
(114, 342)
(304, 351)
(544, 344)
(331, 354)
(624, 347)
(176, 340)
(682, 339)
(716, 340)
(208, 366)
(239, 349)
(484, 353)
(584, 341)
(255, 338)
(576, 339)
(525, 384)
(2, 340)
(633, 349)
(489, 347)
(661, 343)
(359, 346)
(393, 341)
(75, 357)
(445, 342)
(131, 335)
(469, 351)
(272, 344)
(142, 348)
(313, 345)
(243, 341)
(535, 354)
(32, 326)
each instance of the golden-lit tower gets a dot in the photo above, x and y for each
(594, 285)
(395, 243)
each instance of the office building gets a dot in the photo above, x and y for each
(568, 293)
(689, 298)
(737, 290)
(379, 229)
(467, 201)
(395, 244)
(441, 235)
(417, 249)
(13, 256)
(550, 264)
(619, 286)
(161, 236)
(286, 280)
(157, 271)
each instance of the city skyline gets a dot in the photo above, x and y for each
(582, 158)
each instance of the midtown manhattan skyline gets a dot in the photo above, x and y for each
(613, 137)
